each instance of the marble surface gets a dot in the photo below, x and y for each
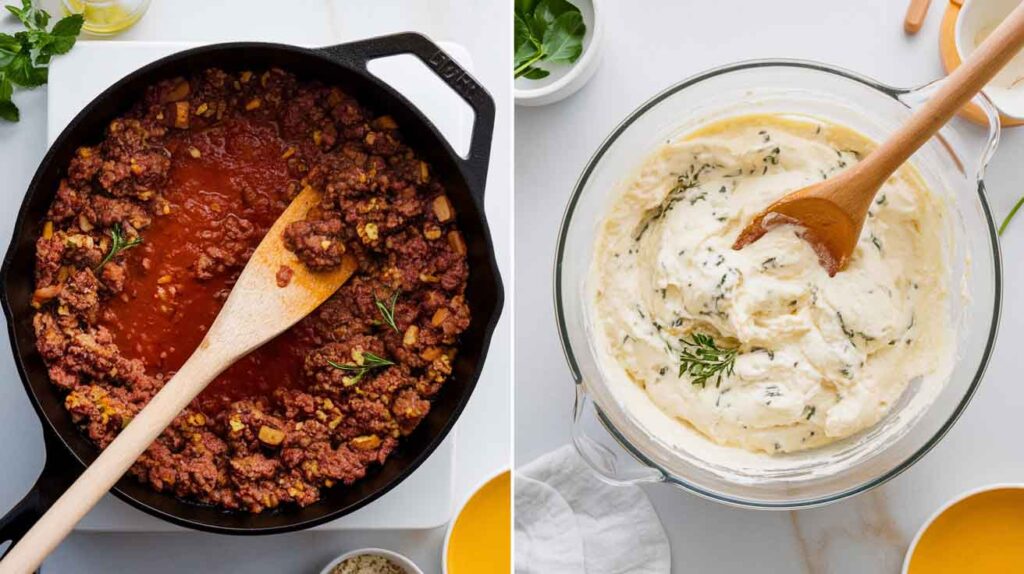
(644, 54)
(484, 443)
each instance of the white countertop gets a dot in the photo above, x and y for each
(644, 54)
(484, 427)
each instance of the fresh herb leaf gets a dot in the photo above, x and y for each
(387, 310)
(25, 56)
(527, 46)
(546, 12)
(563, 40)
(8, 110)
(1012, 213)
(118, 244)
(535, 73)
(546, 31)
(22, 72)
(703, 359)
(33, 18)
(370, 362)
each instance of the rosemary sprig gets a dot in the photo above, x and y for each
(703, 359)
(387, 310)
(118, 244)
(370, 362)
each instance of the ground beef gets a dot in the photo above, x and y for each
(152, 225)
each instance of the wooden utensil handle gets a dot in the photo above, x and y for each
(966, 81)
(114, 461)
(916, 13)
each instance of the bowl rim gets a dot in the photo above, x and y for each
(969, 8)
(562, 326)
(400, 559)
(577, 69)
(970, 493)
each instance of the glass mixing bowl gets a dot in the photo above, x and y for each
(952, 163)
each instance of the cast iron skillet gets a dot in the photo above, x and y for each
(345, 65)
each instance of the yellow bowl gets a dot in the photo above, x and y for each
(979, 531)
(479, 539)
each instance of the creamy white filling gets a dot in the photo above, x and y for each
(819, 358)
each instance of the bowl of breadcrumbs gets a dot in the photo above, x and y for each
(371, 561)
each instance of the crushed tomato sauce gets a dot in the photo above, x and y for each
(239, 159)
(188, 182)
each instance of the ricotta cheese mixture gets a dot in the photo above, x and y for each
(778, 356)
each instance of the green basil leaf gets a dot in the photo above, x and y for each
(535, 73)
(22, 72)
(32, 17)
(6, 89)
(9, 112)
(547, 12)
(526, 45)
(563, 41)
(9, 47)
(8, 42)
(64, 33)
(20, 13)
(25, 55)
(525, 7)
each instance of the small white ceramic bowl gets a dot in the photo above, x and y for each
(395, 557)
(977, 19)
(562, 83)
(942, 510)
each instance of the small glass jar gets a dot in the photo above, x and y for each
(106, 17)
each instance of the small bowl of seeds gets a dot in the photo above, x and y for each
(371, 561)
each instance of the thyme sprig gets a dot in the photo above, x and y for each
(387, 310)
(703, 359)
(369, 363)
(118, 244)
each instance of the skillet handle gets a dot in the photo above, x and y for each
(59, 472)
(360, 53)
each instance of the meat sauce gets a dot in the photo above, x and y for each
(150, 229)
(224, 180)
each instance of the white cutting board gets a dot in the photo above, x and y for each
(424, 500)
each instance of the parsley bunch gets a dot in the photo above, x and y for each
(25, 56)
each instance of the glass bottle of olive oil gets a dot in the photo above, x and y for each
(107, 17)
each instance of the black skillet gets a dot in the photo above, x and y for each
(345, 65)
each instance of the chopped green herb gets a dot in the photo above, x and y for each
(877, 242)
(809, 411)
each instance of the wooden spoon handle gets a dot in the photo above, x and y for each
(966, 81)
(916, 13)
(113, 462)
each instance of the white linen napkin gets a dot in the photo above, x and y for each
(569, 521)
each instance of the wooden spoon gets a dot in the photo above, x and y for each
(917, 11)
(832, 212)
(256, 311)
